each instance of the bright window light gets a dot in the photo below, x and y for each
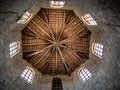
(84, 74)
(14, 48)
(57, 4)
(25, 18)
(87, 18)
(28, 74)
(97, 49)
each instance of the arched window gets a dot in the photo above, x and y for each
(28, 74)
(25, 17)
(57, 4)
(87, 18)
(84, 74)
(57, 84)
(97, 49)
(14, 48)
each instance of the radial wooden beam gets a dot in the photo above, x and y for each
(71, 22)
(51, 31)
(65, 27)
(68, 18)
(64, 63)
(39, 35)
(41, 29)
(83, 55)
(73, 52)
(44, 68)
(37, 52)
(46, 19)
(29, 34)
(50, 56)
(56, 26)
(64, 19)
(34, 44)
(56, 58)
(44, 54)
(71, 38)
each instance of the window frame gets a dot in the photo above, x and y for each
(28, 75)
(25, 18)
(14, 49)
(98, 51)
(84, 74)
(56, 4)
(88, 19)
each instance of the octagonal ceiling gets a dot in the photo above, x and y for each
(55, 42)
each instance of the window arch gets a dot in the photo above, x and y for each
(28, 74)
(57, 4)
(57, 84)
(97, 49)
(87, 18)
(14, 48)
(84, 74)
(25, 17)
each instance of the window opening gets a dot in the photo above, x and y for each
(97, 49)
(87, 18)
(57, 4)
(25, 17)
(84, 74)
(14, 48)
(28, 75)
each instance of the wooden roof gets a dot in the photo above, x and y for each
(55, 42)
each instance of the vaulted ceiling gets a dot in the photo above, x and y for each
(55, 42)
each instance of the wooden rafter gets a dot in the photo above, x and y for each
(51, 31)
(68, 18)
(46, 19)
(44, 54)
(62, 28)
(37, 52)
(39, 35)
(65, 27)
(73, 52)
(49, 57)
(63, 60)
(71, 38)
(42, 29)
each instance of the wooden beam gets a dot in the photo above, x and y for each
(37, 52)
(68, 18)
(34, 44)
(64, 63)
(48, 60)
(46, 19)
(56, 58)
(51, 31)
(73, 37)
(64, 19)
(56, 26)
(73, 52)
(65, 27)
(39, 35)
(41, 29)
(44, 54)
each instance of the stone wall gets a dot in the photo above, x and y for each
(105, 71)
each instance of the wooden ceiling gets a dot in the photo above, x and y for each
(55, 42)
